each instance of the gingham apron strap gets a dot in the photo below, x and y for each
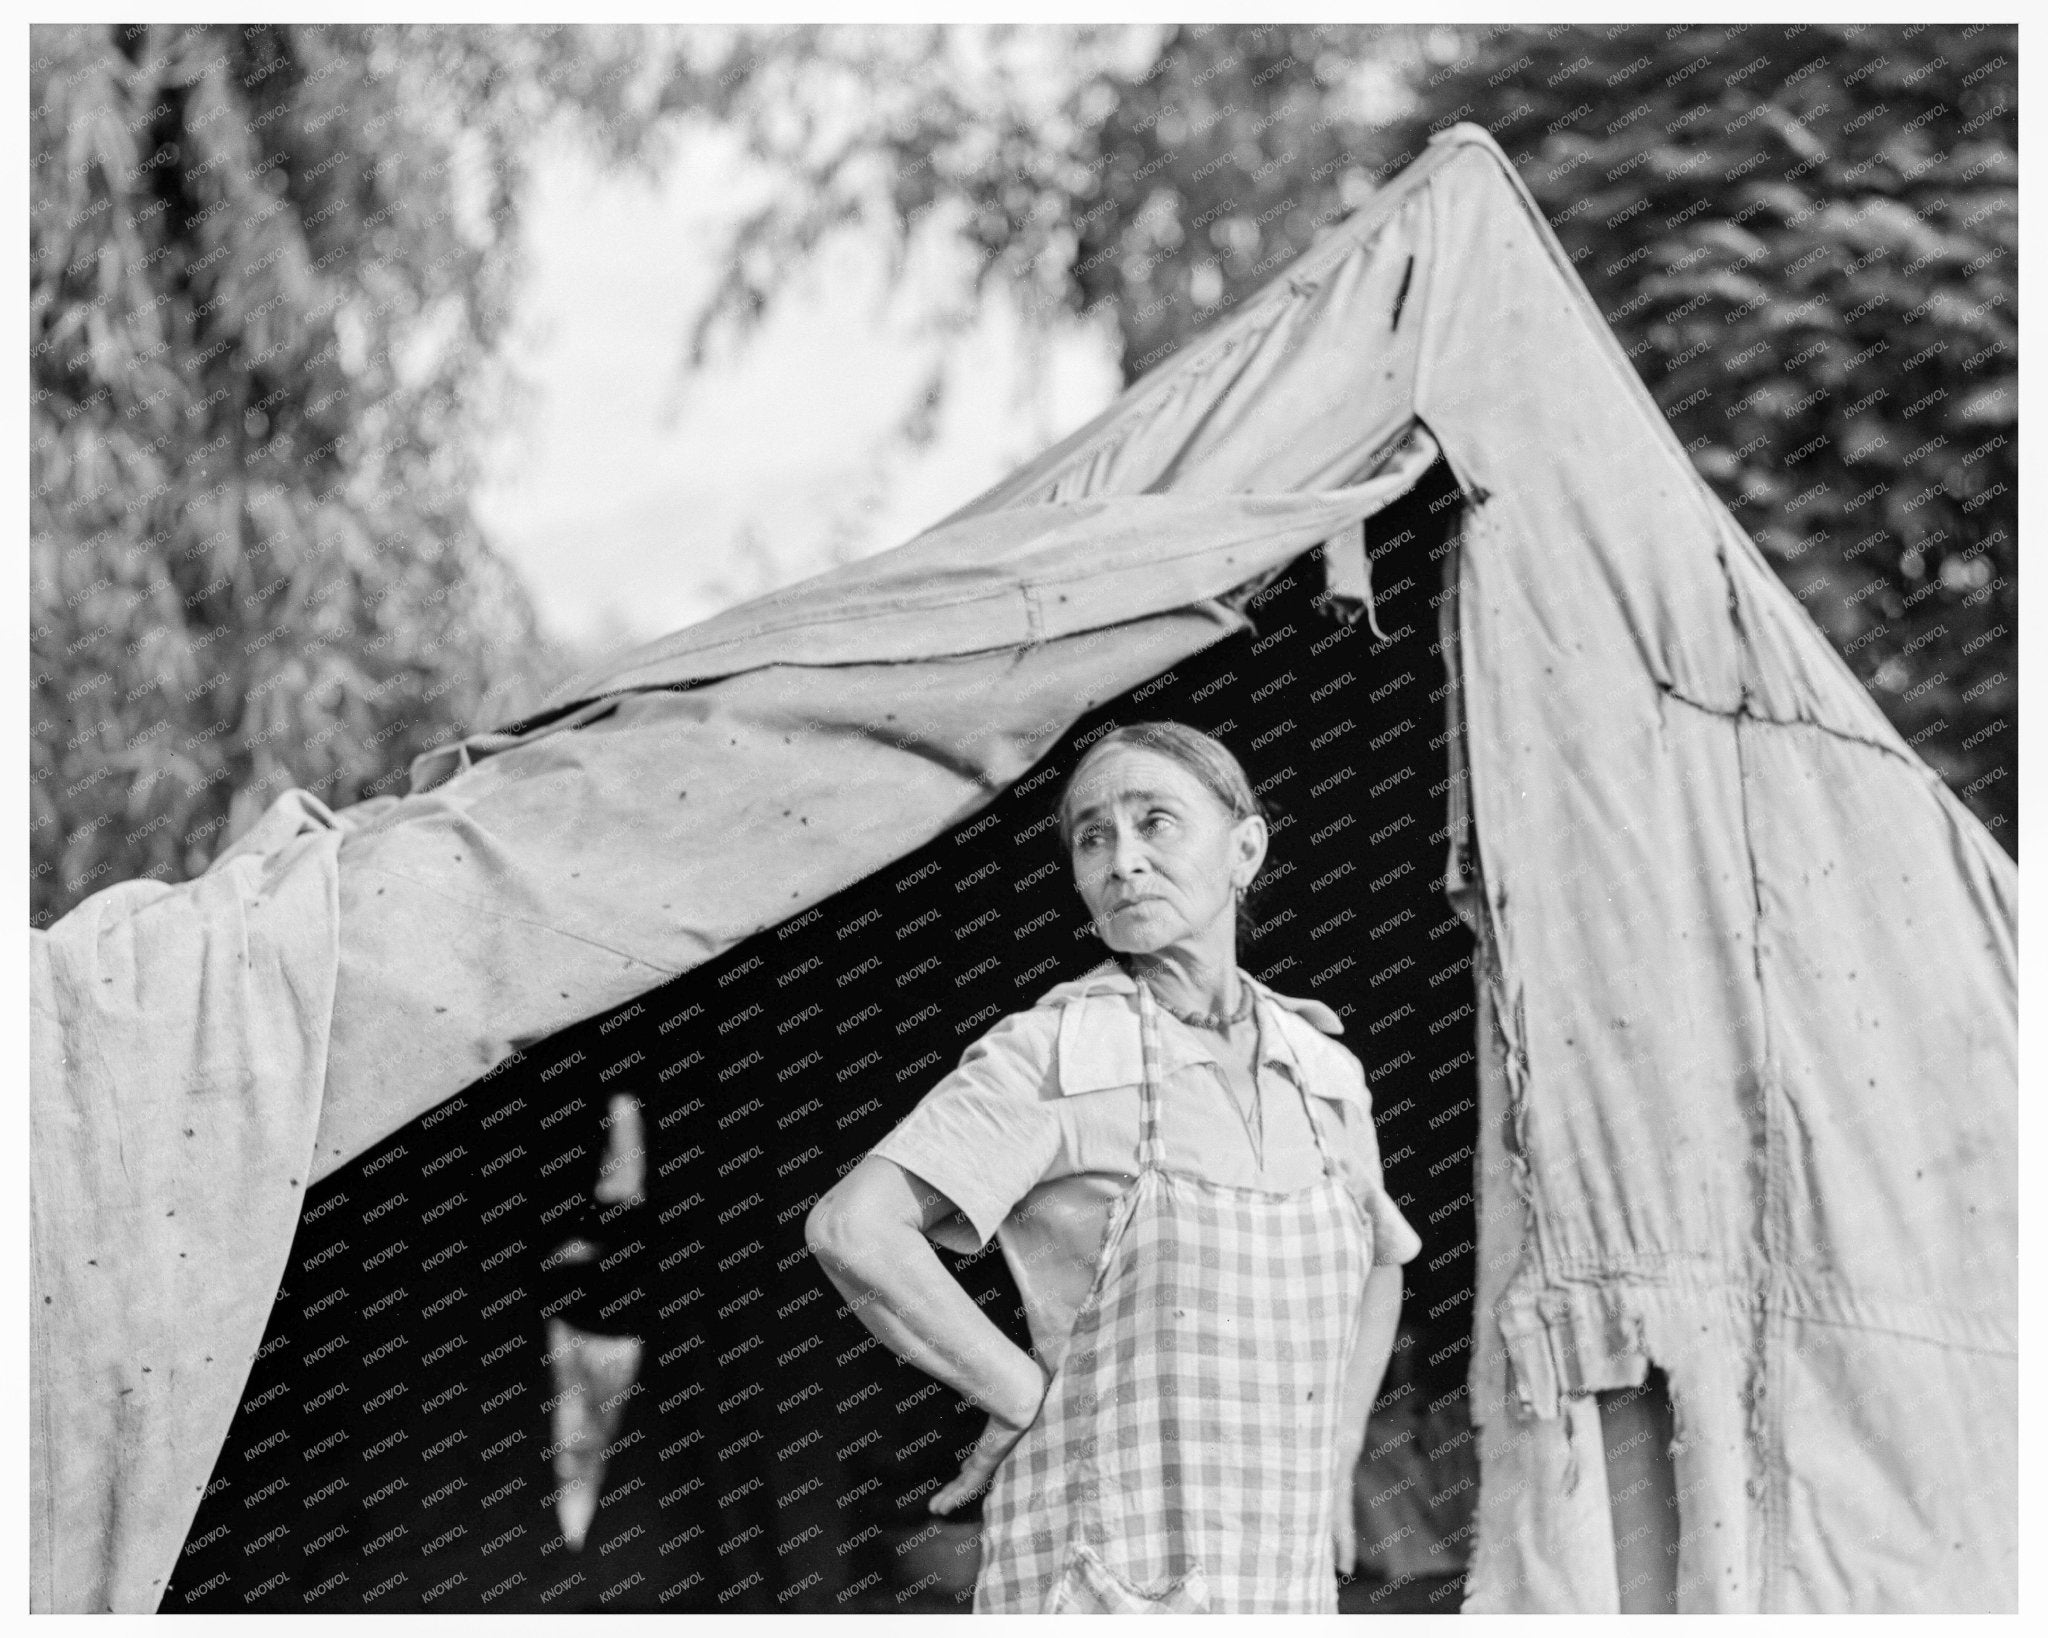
(1308, 1109)
(1151, 1149)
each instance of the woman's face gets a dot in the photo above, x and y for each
(1155, 853)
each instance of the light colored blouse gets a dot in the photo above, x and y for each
(1035, 1134)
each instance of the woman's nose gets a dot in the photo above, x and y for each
(1125, 853)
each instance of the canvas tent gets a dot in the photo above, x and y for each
(1745, 1002)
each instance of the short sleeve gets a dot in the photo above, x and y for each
(1394, 1240)
(986, 1134)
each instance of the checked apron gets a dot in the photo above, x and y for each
(1182, 1457)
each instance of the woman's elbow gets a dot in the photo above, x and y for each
(822, 1227)
(835, 1230)
(866, 1228)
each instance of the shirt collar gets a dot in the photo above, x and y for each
(1099, 1044)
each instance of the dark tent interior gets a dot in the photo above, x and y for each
(392, 1447)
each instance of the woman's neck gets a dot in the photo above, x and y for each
(1188, 981)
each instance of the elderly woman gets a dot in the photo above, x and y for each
(1182, 1173)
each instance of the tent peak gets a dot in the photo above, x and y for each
(1465, 134)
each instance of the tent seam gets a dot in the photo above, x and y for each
(1600, 1276)
(524, 921)
(1745, 712)
(1766, 1402)
(1988, 1349)
(857, 614)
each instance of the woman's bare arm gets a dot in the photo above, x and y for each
(1379, 1315)
(868, 1232)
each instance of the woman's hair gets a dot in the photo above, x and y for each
(1204, 756)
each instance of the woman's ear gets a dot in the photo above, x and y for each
(1250, 839)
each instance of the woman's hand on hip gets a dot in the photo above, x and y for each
(997, 1439)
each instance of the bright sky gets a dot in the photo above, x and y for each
(625, 506)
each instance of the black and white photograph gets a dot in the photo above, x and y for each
(964, 817)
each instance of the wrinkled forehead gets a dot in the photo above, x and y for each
(1131, 776)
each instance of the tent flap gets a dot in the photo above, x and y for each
(1754, 990)
(178, 1044)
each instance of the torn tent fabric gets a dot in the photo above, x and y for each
(1747, 995)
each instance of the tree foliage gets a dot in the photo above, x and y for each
(1804, 237)
(268, 268)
